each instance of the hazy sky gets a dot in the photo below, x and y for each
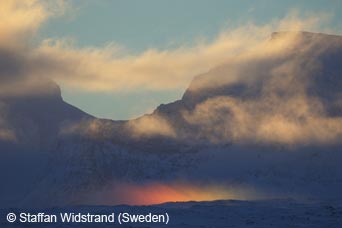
(138, 26)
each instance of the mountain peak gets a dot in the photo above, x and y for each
(16, 89)
(306, 36)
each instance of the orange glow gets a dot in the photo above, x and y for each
(156, 193)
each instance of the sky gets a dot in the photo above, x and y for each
(134, 28)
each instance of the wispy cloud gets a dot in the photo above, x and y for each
(20, 19)
(111, 68)
(280, 97)
(21, 65)
(150, 125)
(265, 120)
(6, 132)
(243, 51)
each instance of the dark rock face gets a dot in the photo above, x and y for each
(36, 117)
(324, 81)
(308, 68)
(98, 152)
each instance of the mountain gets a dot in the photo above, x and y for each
(264, 124)
(35, 118)
(213, 214)
(30, 124)
(305, 73)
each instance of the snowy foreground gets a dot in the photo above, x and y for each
(230, 213)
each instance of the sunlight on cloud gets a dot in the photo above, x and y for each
(23, 68)
(20, 19)
(110, 69)
(150, 125)
(274, 103)
(224, 119)
(283, 113)
(89, 128)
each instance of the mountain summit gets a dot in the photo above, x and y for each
(285, 91)
(269, 119)
(35, 115)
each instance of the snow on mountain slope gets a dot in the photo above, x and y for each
(216, 214)
(36, 118)
(264, 95)
(33, 121)
(268, 121)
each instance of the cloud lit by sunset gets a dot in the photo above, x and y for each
(149, 102)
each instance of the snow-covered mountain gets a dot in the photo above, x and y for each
(269, 121)
(34, 118)
(29, 127)
(281, 213)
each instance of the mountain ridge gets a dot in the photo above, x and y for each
(236, 125)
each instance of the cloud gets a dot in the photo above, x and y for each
(6, 132)
(20, 19)
(21, 66)
(245, 56)
(89, 127)
(150, 125)
(266, 120)
(112, 68)
(273, 94)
